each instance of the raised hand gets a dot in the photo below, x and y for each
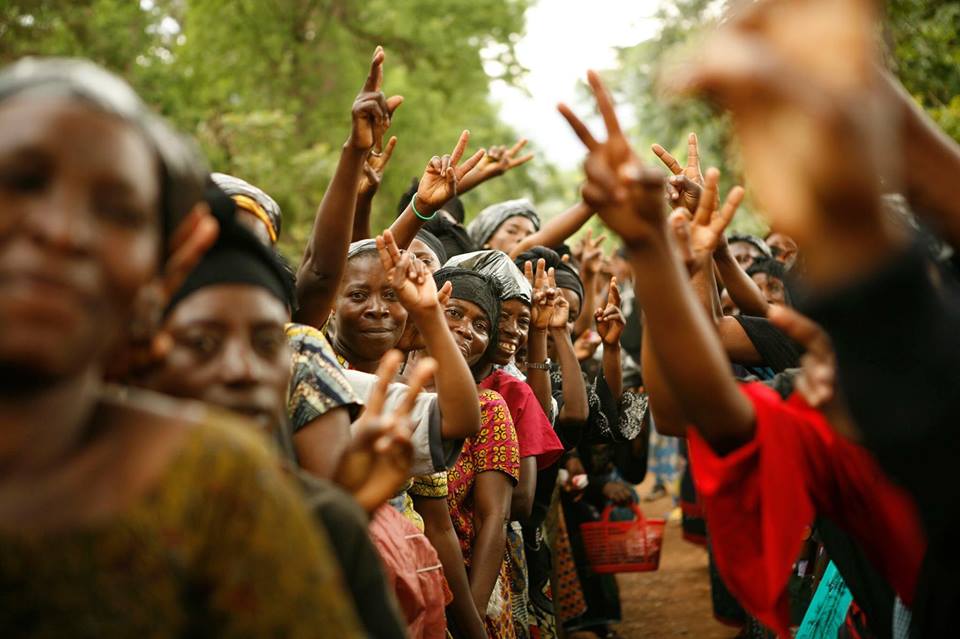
(412, 338)
(378, 459)
(561, 307)
(610, 320)
(586, 345)
(372, 111)
(498, 160)
(373, 168)
(544, 296)
(409, 277)
(708, 223)
(590, 253)
(440, 178)
(686, 183)
(628, 196)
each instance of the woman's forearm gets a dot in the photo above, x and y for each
(743, 290)
(489, 547)
(690, 355)
(454, 383)
(584, 323)
(405, 227)
(557, 230)
(575, 406)
(361, 218)
(325, 255)
(613, 369)
(521, 502)
(538, 379)
(439, 531)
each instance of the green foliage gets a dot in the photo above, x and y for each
(267, 87)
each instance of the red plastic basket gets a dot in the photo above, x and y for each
(623, 546)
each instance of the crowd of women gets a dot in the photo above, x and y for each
(403, 435)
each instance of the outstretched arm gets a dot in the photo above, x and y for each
(325, 255)
(417, 292)
(630, 200)
(439, 183)
(557, 230)
(498, 161)
(370, 181)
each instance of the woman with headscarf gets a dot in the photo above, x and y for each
(256, 210)
(481, 483)
(227, 323)
(181, 493)
(502, 226)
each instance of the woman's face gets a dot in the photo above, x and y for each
(426, 255)
(512, 331)
(470, 327)
(229, 350)
(368, 317)
(771, 287)
(745, 253)
(79, 234)
(510, 233)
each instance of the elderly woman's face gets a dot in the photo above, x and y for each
(79, 233)
(510, 233)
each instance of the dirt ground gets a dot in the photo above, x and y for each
(674, 601)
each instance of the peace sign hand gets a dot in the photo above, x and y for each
(409, 277)
(628, 196)
(440, 178)
(499, 160)
(372, 112)
(378, 458)
(610, 321)
(709, 223)
(561, 307)
(544, 296)
(591, 255)
(373, 168)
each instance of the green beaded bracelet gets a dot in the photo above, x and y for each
(413, 204)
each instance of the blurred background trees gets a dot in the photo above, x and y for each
(266, 87)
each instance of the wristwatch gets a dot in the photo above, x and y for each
(545, 366)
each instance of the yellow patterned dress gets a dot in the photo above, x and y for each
(220, 546)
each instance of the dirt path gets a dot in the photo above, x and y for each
(675, 600)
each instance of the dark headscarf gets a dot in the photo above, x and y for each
(182, 169)
(567, 276)
(474, 287)
(496, 264)
(482, 228)
(455, 239)
(253, 200)
(238, 257)
(773, 268)
(433, 244)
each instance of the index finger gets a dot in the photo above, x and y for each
(528, 271)
(552, 277)
(391, 245)
(613, 296)
(693, 152)
(541, 278)
(460, 148)
(386, 371)
(522, 142)
(422, 372)
(605, 104)
(388, 151)
(708, 199)
(578, 127)
(730, 206)
(375, 77)
(667, 159)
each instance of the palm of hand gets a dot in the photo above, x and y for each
(610, 330)
(434, 189)
(414, 296)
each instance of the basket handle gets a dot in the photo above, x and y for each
(638, 513)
